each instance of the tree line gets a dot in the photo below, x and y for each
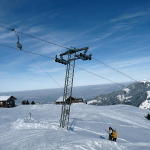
(26, 102)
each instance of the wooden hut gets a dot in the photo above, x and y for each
(7, 101)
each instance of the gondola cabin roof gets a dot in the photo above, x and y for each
(6, 98)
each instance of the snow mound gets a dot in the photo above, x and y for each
(33, 124)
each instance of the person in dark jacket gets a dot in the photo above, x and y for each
(110, 131)
(112, 134)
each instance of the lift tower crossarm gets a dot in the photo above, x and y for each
(68, 58)
(74, 50)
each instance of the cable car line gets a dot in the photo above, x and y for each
(19, 46)
(100, 76)
(26, 51)
(115, 69)
(33, 36)
(90, 72)
(38, 65)
(50, 76)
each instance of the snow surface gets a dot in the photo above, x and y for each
(146, 103)
(40, 131)
(127, 90)
(121, 98)
(144, 81)
(92, 101)
(148, 94)
(60, 99)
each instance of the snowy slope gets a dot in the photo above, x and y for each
(134, 94)
(87, 131)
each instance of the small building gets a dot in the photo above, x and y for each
(7, 101)
(73, 100)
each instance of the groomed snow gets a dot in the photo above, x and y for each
(40, 131)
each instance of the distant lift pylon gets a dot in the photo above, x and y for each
(68, 58)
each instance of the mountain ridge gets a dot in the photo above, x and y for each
(134, 94)
(51, 95)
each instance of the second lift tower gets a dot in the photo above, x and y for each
(68, 58)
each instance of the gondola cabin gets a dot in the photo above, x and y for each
(7, 101)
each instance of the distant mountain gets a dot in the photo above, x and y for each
(51, 95)
(134, 94)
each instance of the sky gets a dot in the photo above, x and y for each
(117, 33)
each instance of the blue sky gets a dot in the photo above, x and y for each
(117, 33)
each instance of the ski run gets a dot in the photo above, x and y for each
(36, 127)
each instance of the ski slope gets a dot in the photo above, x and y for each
(87, 128)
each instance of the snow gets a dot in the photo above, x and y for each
(146, 103)
(4, 98)
(148, 94)
(92, 101)
(121, 98)
(60, 99)
(145, 81)
(126, 90)
(36, 127)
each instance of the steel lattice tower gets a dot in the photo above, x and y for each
(70, 57)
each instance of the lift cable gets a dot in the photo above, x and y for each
(115, 69)
(102, 77)
(90, 72)
(26, 51)
(107, 65)
(37, 38)
(34, 37)
(50, 76)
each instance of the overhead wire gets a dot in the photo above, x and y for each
(34, 37)
(50, 76)
(90, 72)
(115, 69)
(26, 51)
(100, 76)
(37, 38)
(107, 65)
(43, 40)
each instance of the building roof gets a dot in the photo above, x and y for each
(5, 98)
(60, 99)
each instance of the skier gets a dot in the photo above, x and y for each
(112, 134)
